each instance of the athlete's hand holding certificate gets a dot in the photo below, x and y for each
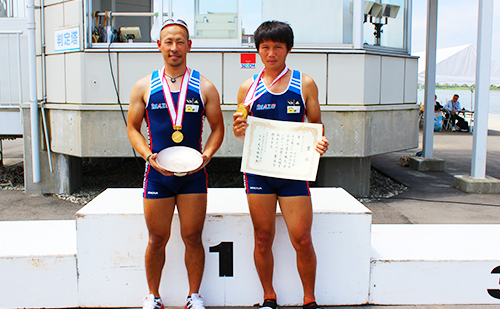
(281, 149)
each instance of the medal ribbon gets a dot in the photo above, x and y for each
(250, 96)
(175, 116)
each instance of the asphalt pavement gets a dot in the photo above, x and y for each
(431, 197)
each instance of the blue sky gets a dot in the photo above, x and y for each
(457, 24)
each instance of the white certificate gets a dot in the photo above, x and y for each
(281, 149)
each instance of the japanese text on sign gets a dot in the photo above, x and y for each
(67, 39)
(281, 149)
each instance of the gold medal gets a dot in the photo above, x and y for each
(177, 137)
(176, 115)
(243, 110)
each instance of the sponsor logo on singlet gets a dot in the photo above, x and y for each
(293, 106)
(267, 106)
(192, 105)
(158, 105)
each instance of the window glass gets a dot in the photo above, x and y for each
(320, 23)
(208, 19)
(251, 18)
(231, 23)
(182, 9)
(136, 6)
(218, 19)
(3, 8)
(388, 16)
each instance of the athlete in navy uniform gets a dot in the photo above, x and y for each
(287, 106)
(160, 130)
(156, 99)
(286, 95)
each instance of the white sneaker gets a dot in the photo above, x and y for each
(195, 301)
(151, 303)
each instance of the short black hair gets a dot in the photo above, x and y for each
(275, 31)
(456, 95)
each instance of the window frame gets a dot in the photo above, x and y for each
(406, 34)
(236, 44)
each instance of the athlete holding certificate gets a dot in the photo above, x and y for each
(279, 93)
(174, 102)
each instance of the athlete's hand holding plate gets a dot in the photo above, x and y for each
(179, 159)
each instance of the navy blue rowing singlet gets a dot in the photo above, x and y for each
(159, 123)
(287, 106)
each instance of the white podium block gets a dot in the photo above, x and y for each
(435, 264)
(37, 263)
(112, 239)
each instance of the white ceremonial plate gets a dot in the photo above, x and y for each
(179, 159)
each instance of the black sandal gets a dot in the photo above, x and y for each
(311, 305)
(269, 303)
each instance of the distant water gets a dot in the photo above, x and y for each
(466, 98)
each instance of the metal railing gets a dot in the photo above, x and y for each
(111, 16)
(130, 14)
(10, 103)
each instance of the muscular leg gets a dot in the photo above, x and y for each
(263, 213)
(158, 214)
(192, 209)
(297, 212)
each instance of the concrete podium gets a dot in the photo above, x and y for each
(38, 264)
(435, 264)
(99, 261)
(112, 237)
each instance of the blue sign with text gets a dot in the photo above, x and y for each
(67, 39)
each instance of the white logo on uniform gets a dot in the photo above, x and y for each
(153, 193)
(256, 188)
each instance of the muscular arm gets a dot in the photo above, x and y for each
(310, 93)
(138, 97)
(240, 124)
(136, 115)
(214, 117)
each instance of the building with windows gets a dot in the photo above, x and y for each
(89, 53)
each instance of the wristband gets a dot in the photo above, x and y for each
(147, 158)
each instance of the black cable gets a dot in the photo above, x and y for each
(118, 97)
(114, 82)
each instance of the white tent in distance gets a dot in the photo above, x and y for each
(456, 65)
